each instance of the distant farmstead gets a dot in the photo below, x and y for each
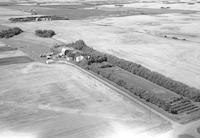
(37, 18)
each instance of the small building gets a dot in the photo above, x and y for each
(79, 58)
(65, 50)
(48, 57)
(69, 58)
(49, 61)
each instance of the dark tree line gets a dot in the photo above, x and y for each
(137, 91)
(10, 32)
(93, 58)
(157, 78)
(137, 69)
(37, 18)
(45, 33)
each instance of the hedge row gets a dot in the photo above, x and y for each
(144, 94)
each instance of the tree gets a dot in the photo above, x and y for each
(10, 32)
(45, 33)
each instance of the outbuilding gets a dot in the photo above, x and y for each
(79, 58)
(65, 50)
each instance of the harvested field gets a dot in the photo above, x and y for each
(138, 39)
(9, 55)
(78, 12)
(38, 97)
(185, 136)
(13, 53)
(6, 48)
(198, 130)
(164, 6)
(15, 60)
(49, 101)
(6, 13)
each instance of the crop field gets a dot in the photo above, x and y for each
(191, 130)
(48, 101)
(6, 13)
(58, 101)
(147, 40)
(84, 11)
(14, 60)
(6, 48)
(9, 55)
(33, 93)
(163, 6)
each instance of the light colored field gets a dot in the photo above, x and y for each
(2, 44)
(28, 1)
(62, 101)
(14, 53)
(180, 6)
(49, 101)
(140, 39)
(6, 13)
(190, 129)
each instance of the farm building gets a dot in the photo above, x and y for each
(69, 58)
(79, 58)
(65, 50)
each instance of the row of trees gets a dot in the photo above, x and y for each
(146, 95)
(157, 78)
(45, 33)
(37, 18)
(100, 63)
(10, 32)
(137, 69)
